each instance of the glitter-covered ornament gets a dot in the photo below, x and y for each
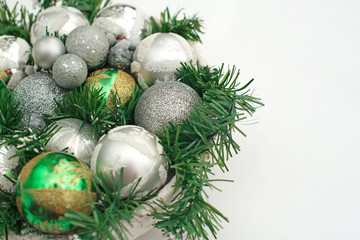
(89, 43)
(62, 19)
(138, 153)
(14, 53)
(120, 56)
(48, 185)
(46, 50)
(36, 95)
(69, 71)
(165, 102)
(123, 20)
(158, 56)
(7, 165)
(112, 81)
(76, 136)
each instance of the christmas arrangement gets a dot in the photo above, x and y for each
(103, 113)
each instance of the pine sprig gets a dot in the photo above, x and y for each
(9, 114)
(15, 22)
(188, 28)
(90, 8)
(208, 131)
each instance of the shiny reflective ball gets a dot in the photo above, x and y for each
(46, 50)
(14, 53)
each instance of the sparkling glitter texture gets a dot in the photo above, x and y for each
(122, 20)
(135, 150)
(89, 43)
(14, 52)
(165, 102)
(76, 136)
(69, 71)
(46, 50)
(36, 95)
(158, 56)
(7, 165)
(58, 18)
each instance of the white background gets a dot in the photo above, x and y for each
(297, 176)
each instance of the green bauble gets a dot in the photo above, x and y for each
(48, 185)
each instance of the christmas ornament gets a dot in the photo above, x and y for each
(48, 185)
(112, 82)
(36, 95)
(158, 56)
(5, 76)
(136, 151)
(7, 165)
(58, 18)
(165, 102)
(69, 71)
(89, 43)
(120, 56)
(123, 20)
(46, 50)
(15, 79)
(76, 137)
(14, 53)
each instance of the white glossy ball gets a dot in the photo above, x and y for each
(46, 50)
(135, 150)
(76, 137)
(158, 56)
(14, 53)
(58, 18)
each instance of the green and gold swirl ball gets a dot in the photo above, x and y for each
(113, 82)
(50, 184)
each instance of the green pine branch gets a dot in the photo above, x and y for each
(90, 8)
(9, 114)
(188, 28)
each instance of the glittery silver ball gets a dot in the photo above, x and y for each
(135, 150)
(158, 56)
(165, 102)
(122, 20)
(58, 18)
(14, 53)
(36, 95)
(76, 136)
(46, 50)
(69, 71)
(120, 57)
(89, 43)
(7, 165)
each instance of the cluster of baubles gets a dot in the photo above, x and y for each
(108, 54)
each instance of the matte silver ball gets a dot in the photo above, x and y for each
(36, 95)
(69, 71)
(120, 57)
(7, 165)
(89, 43)
(46, 50)
(14, 53)
(58, 18)
(165, 102)
(76, 137)
(158, 56)
(122, 20)
(135, 150)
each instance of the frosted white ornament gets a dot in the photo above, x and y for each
(76, 136)
(58, 18)
(14, 53)
(158, 56)
(135, 150)
(7, 165)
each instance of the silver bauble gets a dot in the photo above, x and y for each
(76, 137)
(69, 71)
(135, 150)
(122, 20)
(37, 95)
(158, 56)
(14, 53)
(58, 18)
(120, 56)
(7, 165)
(89, 43)
(46, 50)
(165, 102)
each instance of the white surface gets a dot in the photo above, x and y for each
(297, 176)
